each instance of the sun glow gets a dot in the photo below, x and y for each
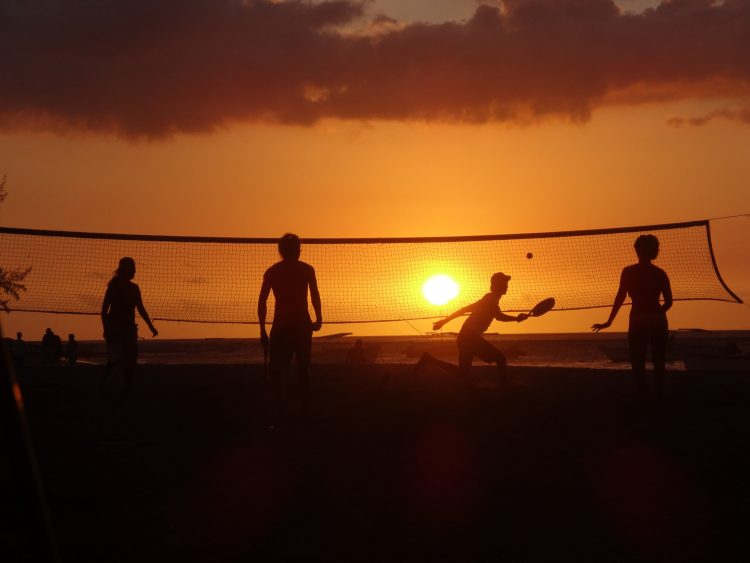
(440, 289)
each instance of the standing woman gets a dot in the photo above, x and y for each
(647, 285)
(121, 300)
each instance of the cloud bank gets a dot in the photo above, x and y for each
(144, 69)
(741, 115)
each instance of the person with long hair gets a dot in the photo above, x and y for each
(121, 300)
(651, 294)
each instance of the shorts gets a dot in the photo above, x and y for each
(122, 344)
(471, 344)
(288, 340)
(645, 331)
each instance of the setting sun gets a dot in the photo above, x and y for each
(440, 289)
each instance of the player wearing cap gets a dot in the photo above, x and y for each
(470, 340)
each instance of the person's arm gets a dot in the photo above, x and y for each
(437, 325)
(500, 316)
(666, 291)
(622, 291)
(105, 310)
(315, 298)
(144, 315)
(265, 290)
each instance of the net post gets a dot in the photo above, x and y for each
(716, 266)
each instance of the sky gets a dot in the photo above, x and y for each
(378, 119)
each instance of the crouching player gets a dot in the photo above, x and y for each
(470, 340)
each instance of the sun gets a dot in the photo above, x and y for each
(440, 289)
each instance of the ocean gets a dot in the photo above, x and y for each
(581, 350)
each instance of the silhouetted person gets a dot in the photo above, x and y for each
(18, 350)
(646, 284)
(71, 350)
(57, 349)
(356, 354)
(45, 349)
(51, 348)
(291, 331)
(470, 341)
(121, 300)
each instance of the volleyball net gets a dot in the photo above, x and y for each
(217, 280)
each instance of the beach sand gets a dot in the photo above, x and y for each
(390, 465)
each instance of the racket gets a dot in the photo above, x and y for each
(544, 306)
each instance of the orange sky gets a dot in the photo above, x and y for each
(393, 175)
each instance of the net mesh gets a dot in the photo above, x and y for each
(360, 280)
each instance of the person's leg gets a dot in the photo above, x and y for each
(638, 344)
(130, 358)
(302, 356)
(114, 358)
(466, 354)
(280, 359)
(502, 368)
(486, 351)
(659, 342)
(275, 386)
(129, 365)
(425, 359)
(453, 369)
(104, 377)
(460, 370)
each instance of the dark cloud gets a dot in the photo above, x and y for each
(151, 69)
(736, 115)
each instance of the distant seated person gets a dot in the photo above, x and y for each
(51, 348)
(57, 349)
(356, 354)
(71, 350)
(18, 347)
(46, 346)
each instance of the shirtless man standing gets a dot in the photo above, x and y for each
(291, 331)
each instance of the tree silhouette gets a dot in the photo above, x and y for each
(11, 280)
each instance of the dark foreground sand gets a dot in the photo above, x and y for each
(392, 466)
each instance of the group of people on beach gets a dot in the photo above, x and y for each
(51, 350)
(292, 280)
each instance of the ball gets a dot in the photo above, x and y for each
(529, 255)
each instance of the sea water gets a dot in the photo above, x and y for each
(582, 350)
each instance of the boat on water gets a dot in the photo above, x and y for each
(333, 336)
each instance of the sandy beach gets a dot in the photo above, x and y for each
(390, 465)
(560, 186)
